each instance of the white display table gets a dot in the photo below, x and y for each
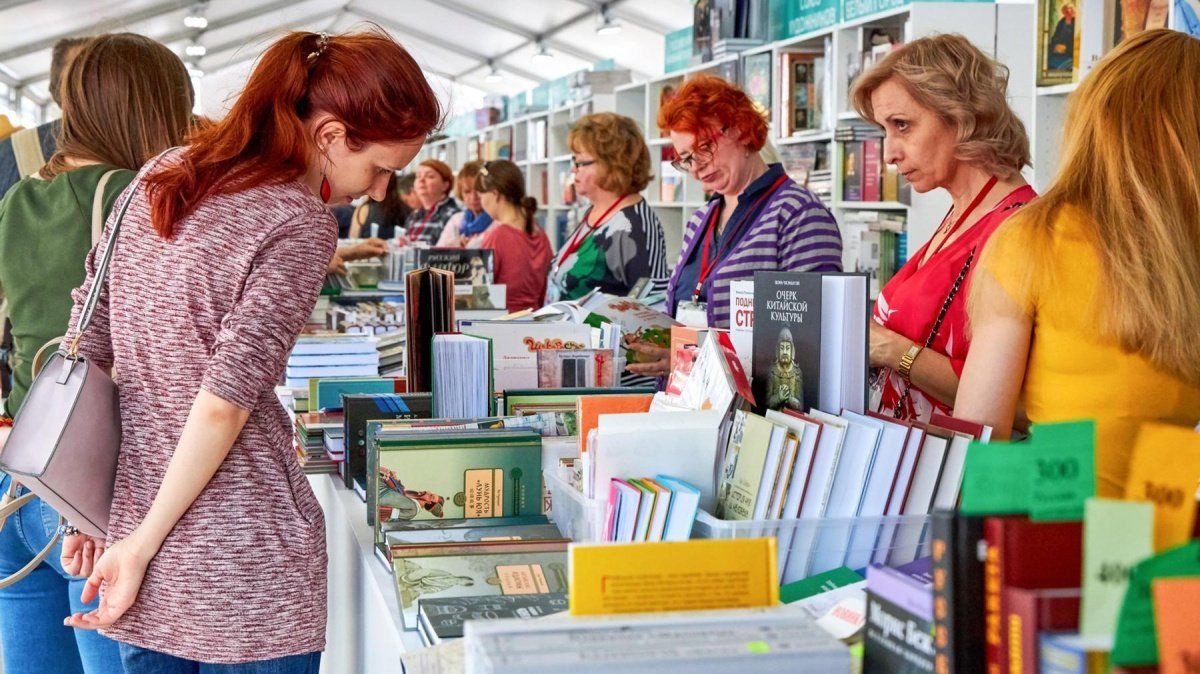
(364, 633)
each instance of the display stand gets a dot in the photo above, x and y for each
(364, 632)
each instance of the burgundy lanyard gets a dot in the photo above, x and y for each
(961, 219)
(707, 267)
(585, 230)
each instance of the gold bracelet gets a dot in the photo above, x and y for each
(907, 360)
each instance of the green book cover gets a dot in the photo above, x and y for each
(1135, 643)
(476, 576)
(745, 460)
(818, 584)
(453, 475)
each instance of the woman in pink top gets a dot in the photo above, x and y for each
(522, 258)
(216, 549)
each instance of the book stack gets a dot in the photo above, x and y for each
(650, 509)
(391, 353)
(805, 162)
(442, 620)
(311, 431)
(332, 355)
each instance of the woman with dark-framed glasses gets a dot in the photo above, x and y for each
(620, 240)
(757, 219)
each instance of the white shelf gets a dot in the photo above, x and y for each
(658, 142)
(1058, 89)
(848, 116)
(666, 204)
(807, 137)
(870, 205)
(562, 158)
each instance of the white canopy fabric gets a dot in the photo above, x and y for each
(454, 40)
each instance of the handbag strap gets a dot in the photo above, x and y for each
(9, 505)
(898, 411)
(101, 276)
(98, 207)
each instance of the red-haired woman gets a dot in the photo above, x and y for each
(216, 543)
(758, 219)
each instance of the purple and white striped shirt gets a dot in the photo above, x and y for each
(794, 231)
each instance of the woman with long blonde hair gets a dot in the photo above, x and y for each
(1089, 299)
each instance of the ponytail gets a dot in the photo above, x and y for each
(365, 80)
(529, 205)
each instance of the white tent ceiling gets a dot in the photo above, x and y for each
(453, 39)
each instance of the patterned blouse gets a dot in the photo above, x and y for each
(628, 247)
(242, 576)
(426, 225)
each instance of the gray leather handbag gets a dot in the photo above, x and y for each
(64, 442)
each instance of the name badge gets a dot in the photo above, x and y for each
(692, 314)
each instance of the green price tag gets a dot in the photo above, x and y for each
(1049, 478)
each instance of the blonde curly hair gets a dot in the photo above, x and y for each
(620, 151)
(966, 88)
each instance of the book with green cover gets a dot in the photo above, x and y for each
(452, 474)
(470, 530)
(745, 461)
(413, 551)
(476, 576)
(818, 584)
(326, 394)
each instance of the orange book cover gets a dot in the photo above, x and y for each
(1176, 614)
(589, 409)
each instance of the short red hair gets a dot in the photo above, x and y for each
(365, 80)
(705, 104)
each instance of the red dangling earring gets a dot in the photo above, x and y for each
(326, 191)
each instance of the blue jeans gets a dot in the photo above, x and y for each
(32, 610)
(144, 661)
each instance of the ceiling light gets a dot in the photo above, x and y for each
(196, 50)
(542, 53)
(197, 22)
(607, 25)
(493, 73)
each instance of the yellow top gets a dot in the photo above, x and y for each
(1073, 372)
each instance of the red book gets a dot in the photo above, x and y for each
(977, 431)
(1029, 612)
(1029, 555)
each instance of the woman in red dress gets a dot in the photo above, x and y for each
(947, 124)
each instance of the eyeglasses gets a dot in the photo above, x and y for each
(581, 164)
(704, 151)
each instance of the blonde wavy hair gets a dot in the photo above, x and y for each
(1130, 167)
(621, 152)
(966, 88)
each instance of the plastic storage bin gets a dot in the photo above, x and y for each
(806, 546)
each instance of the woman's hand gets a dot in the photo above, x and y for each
(121, 569)
(367, 249)
(653, 361)
(886, 346)
(80, 553)
(337, 265)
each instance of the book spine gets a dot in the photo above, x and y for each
(957, 593)
(872, 169)
(993, 598)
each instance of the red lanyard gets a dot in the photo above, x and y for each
(585, 230)
(706, 267)
(961, 219)
(424, 222)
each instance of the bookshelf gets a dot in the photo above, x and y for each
(536, 142)
(1000, 30)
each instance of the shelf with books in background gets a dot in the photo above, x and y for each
(536, 142)
(1070, 37)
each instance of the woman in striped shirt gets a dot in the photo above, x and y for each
(758, 219)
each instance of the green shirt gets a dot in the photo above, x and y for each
(45, 236)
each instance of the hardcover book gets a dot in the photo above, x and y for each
(444, 618)
(476, 576)
(958, 615)
(361, 408)
(440, 475)
(897, 641)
